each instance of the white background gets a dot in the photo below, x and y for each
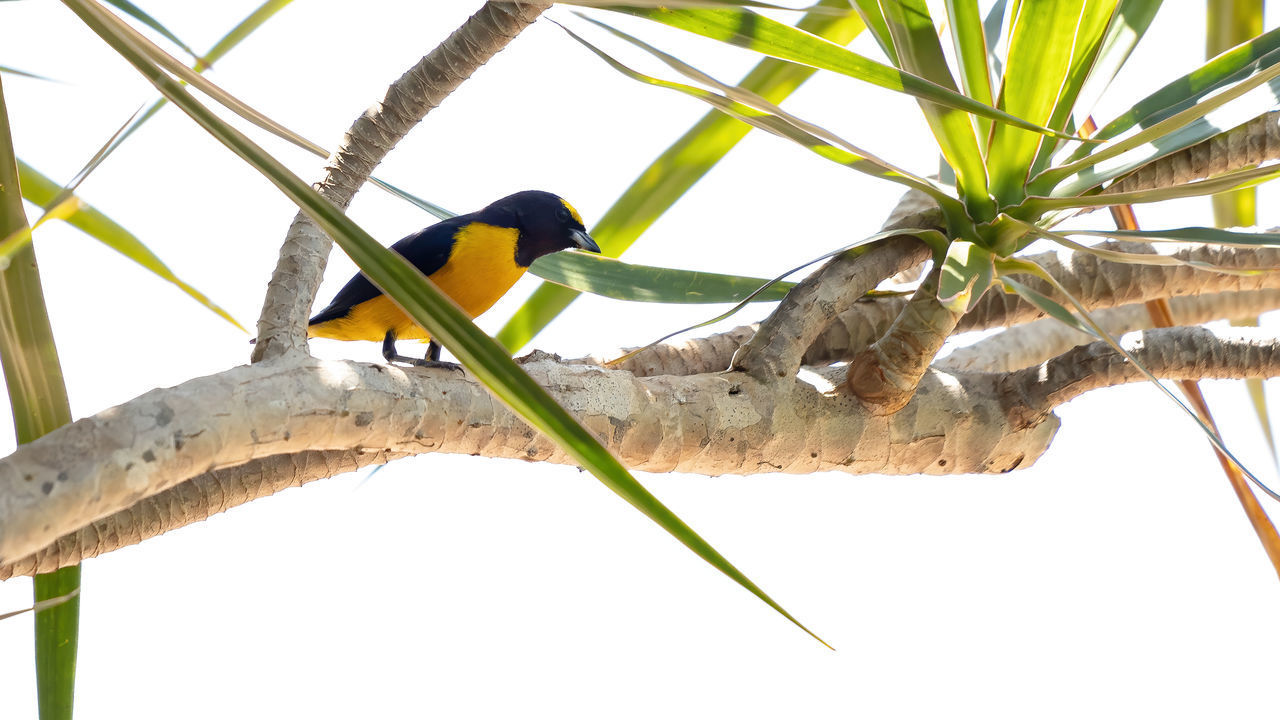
(1116, 577)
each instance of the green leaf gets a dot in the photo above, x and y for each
(142, 17)
(932, 238)
(746, 29)
(967, 272)
(970, 40)
(1219, 183)
(1187, 90)
(919, 52)
(419, 298)
(644, 283)
(1214, 236)
(192, 75)
(41, 190)
(755, 110)
(1045, 304)
(873, 18)
(1230, 106)
(38, 397)
(24, 73)
(820, 8)
(242, 30)
(57, 637)
(1034, 231)
(673, 172)
(1042, 48)
(1128, 26)
(993, 28)
(1095, 22)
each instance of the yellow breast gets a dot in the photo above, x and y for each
(481, 268)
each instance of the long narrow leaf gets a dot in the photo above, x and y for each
(23, 73)
(1190, 88)
(43, 605)
(1042, 46)
(667, 178)
(1215, 236)
(1129, 258)
(751, 108)
(1229, 106)
(1095, 20)
(430, 309)
(746, 29)
(38, 397)
(920, 52)
(1128, 26)
(1199, 188)
(932, 238)
(141, 16)
(969, 38)
(644, 283)
(225, 44)
(40, 190)
(873, 17)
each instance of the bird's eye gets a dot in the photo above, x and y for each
(562, 215)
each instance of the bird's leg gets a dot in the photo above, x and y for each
(431, 361)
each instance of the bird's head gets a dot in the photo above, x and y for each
(547, 224)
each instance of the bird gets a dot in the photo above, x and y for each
(474, 259)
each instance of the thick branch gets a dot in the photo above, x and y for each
(1169, 353)
(777, 347)
(197, 499)
(1026, 345)
(707, 424)
(282, 325)
(885, 375)
(1252, 143)
(1101, 284)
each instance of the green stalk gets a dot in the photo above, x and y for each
(38, 396)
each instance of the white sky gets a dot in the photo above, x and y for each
(1116, 577)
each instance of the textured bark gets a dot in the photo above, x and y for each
(1101, 284)
(1026, 345)
(778, 346)
(292, 290)
(709, 424)
(1169, 353)
(885, 375)
(1252, 143)
(197, 499)
(869, 318)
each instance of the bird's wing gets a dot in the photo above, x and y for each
(428, 250)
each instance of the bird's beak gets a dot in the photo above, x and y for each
(582, 240)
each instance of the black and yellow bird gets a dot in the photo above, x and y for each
(473, 258)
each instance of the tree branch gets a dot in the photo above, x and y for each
(1100, 284)
(199, 498)
(1026, 345)
(292, 290)
(709, 424)
(777, 347)
(1169, 353)
(1252, 143)
(885, 375)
